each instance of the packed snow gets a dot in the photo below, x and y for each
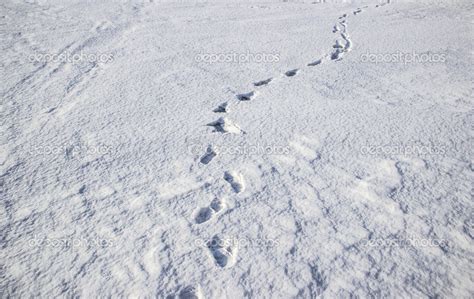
(236, 149)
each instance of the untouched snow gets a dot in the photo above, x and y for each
(236, 149)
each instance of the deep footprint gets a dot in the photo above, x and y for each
(317, 62)
(209, 155)
(222, 108)
(263, 82)
(337, 55)
(235, 180)
(217, 205)
(223, 125)
(223, 251)
(348, 46)
(291, 73)
(246, 96)
(191, 292)
(337, 45)
(204, 215)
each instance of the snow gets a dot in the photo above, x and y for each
(229, 149)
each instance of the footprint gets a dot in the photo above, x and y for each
(246, 96)
(191, 292)
(235, 180)
(315, 63)
(204, 215)
(263, 82)
(348, 45)
(102, 26)
(343, 16)
(217, 205)
(344, 25)
(223, 251)
(291, 73)
(335, 29)
(223, 125)
(337, 45)
(337, 54)
(222, 108)
(357, 11)
(207, 213)
(209, 155)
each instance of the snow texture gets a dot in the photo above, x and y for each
(236, 149)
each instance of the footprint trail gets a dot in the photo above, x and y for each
(224, 254)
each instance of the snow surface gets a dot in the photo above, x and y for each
(318, 156)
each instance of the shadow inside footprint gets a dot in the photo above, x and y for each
(235, 181)
(190, 292)
(203, 215)
(336, 55)
(208, 156)
(217, 205)
(222, 108)
(223, 253)
(218, 125)
(246, 96)
(317, 62)
(223, 125)
(337, 45)
(291, 73)
(263, 82)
